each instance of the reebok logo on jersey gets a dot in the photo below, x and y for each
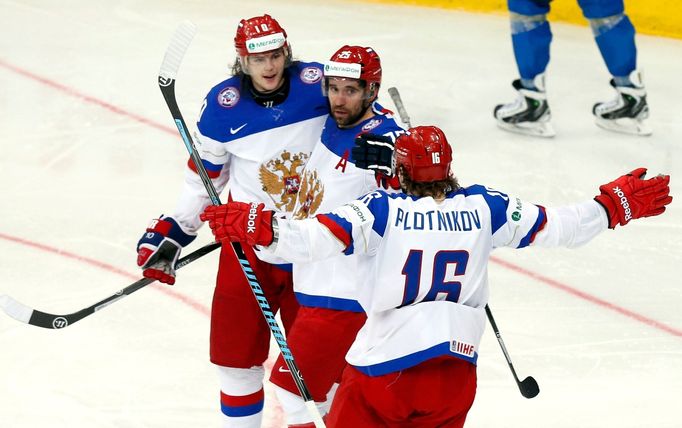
(251, 219)
(235, 130)
(358, 212)
(462, 348)
(624, 203)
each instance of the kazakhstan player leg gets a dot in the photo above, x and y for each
(531, 38)
(615, 36)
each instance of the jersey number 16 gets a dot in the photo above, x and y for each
(442, 287)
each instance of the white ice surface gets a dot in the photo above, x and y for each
(90, 154)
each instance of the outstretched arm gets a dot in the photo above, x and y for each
(626, 198)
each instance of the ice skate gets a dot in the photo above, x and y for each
(529, 114)
(627, 113)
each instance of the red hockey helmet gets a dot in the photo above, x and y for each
(355, 62)
(260, 34)
(425, 154)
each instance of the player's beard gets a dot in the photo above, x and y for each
(351, 116)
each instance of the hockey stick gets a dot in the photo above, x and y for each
(23, 313)
(529, 387)
(167, 75)
(395, 96)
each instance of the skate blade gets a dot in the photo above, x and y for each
(625, 125)
(534, 129)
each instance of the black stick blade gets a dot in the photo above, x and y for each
(529, 387)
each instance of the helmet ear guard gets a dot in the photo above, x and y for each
(424, 153)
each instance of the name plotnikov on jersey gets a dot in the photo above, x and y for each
(448, 221)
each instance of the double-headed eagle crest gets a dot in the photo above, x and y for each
(281, 179)
(310, 196)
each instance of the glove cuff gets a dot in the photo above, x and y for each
(611, 212)
(267, 236)
(172, 230)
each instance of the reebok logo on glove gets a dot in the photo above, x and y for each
(624, 203)
(251, 219)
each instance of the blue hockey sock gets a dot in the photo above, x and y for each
(615, 37)
(531, 38)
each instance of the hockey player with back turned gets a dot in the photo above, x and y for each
(256, 131)
(615, 36)
(423, 257)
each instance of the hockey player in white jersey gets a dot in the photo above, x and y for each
(330, 316)
(256, 131)
(423, 263)
(615, 36)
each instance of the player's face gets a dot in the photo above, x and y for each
(346, 100)
(266, 70)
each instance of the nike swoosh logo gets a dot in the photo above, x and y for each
(283, 370)
(234, 131)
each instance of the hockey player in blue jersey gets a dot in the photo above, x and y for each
(255, 132)
(422, 261)
(615, 36)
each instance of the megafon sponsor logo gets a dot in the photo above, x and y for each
(265, 43)
(342, 69)
(624, 203)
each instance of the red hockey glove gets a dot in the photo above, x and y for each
(159, 248)
(630, 196)
(238, 221)
(386, 182)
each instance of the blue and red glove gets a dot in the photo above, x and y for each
(630, 196)
(159, 248)
(240, 222)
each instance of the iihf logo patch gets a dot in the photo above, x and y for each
(371, 124)
(311, 75)
(462, 348)
(228, 97)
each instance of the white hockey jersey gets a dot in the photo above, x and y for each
(423, 264)
(258, 152)
(331, 179)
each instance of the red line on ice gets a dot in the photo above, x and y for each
(109, 268)
(87, 98)
(586, 296)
